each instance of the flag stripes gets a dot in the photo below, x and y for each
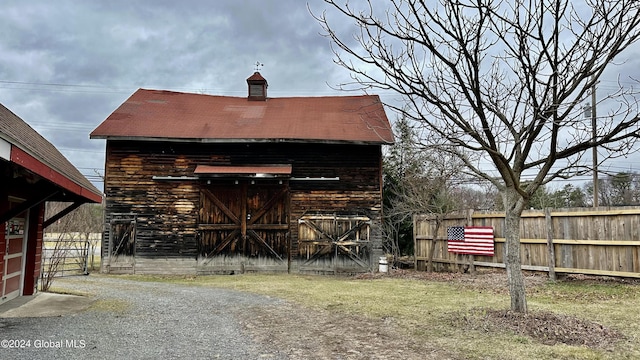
(474, 240)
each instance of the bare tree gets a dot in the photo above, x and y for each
(619, 189)
(90, 219)
(82, 223)
(422, 180)
(53, 262)
(417, 180)
(505, 79)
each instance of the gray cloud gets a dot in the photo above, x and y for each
(68, 64)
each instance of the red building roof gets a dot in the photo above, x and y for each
(167, 115)
(256, 77)
(23, 146)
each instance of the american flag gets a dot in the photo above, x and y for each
(474, 240)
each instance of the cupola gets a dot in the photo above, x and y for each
(257, 87)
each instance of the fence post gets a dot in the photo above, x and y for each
(469, 222)
(415, 242)
(550, 249)
(432, 244)
(107, 266)
(85, 271)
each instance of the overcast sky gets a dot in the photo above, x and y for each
(66, 65)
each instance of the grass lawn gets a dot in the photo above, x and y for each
(466, 315)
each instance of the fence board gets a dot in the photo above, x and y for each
(602, 241)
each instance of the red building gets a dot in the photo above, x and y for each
(32, 172)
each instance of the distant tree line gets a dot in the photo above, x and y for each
(620, 189)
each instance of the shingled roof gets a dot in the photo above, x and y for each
(167, 115)
(33, 152)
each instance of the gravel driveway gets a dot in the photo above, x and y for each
(140, 320)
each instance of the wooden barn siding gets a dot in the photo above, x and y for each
(167, 210)
(605, 241)
(3, 246)
(364, 202)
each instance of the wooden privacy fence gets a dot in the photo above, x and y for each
(601, 241)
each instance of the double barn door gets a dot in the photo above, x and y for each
(242, 218)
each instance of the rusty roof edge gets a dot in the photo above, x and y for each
(175, 92)
(240, 140)
(88, 186)
(16, 142)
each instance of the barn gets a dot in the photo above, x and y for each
(217, 184)
(32, 172)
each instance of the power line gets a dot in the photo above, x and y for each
(85, 88)
(81, 150)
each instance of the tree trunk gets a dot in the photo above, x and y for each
(514, 204)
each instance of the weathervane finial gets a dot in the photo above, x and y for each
(258, 66)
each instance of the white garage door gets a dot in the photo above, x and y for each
(13, 267)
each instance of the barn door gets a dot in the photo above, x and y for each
(244, 219)
(122, 244)
(335, 243)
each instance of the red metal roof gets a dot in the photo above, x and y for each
(163, 115)
(33, 152)
(256, 77)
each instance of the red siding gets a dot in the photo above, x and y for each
(34, 249)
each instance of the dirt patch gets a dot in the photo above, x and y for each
(590, 279)
(493, 281)
(544, 327)
(304, 333)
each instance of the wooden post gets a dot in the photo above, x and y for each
(415, 243)
(107, 267)
(243, 214)
(469, 222)
(432, 245)
(457, 263)
(550, 249)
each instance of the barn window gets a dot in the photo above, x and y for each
(256, 90)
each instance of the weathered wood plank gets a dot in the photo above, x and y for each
(169, 212)
(599, 242)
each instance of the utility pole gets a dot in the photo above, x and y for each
(594, 134)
